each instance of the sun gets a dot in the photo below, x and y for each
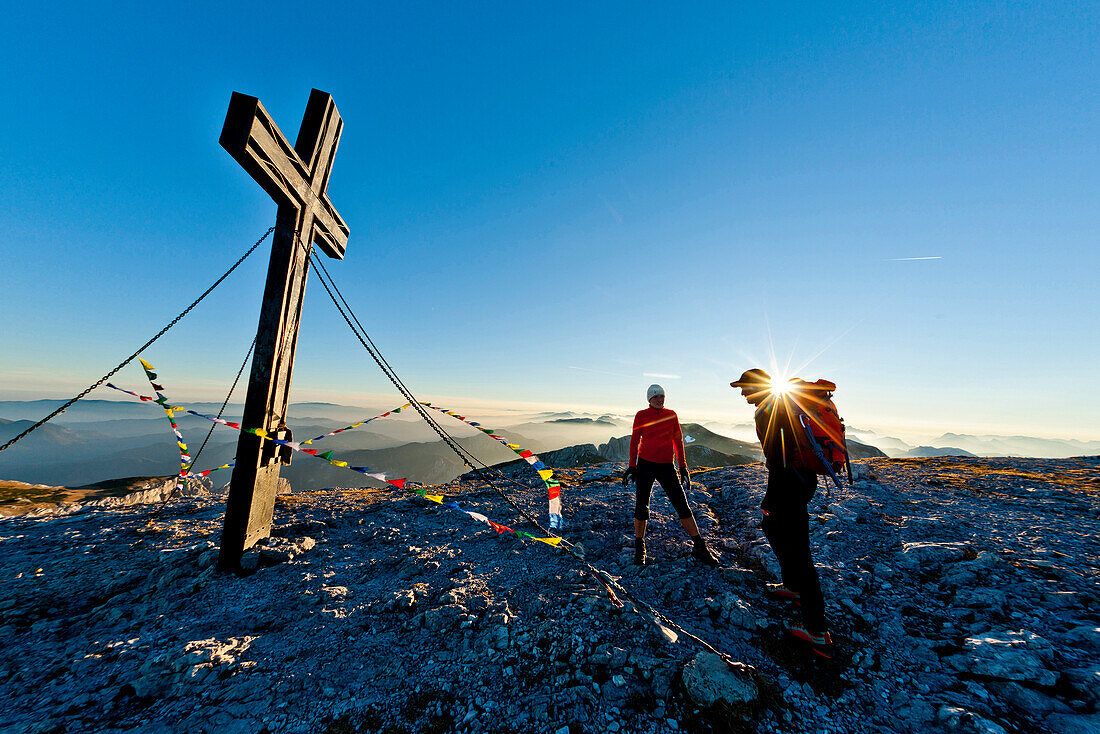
(780, 386)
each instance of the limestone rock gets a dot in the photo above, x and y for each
(931, 556)
(957, 719)
(1013, 656)
(385, 612)
(707, 679)
(1073, 724)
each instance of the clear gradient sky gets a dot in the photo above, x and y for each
(550, 204)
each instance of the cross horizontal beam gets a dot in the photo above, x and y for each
(255, 141)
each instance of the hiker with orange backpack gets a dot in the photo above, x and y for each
(654, 441)
(801, 436)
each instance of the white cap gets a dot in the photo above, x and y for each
(653, 391)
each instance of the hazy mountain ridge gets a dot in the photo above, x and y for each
(602, 420)
(924, 452)
(988, 445)
(857, 450)
(104, 439)
(991, 445)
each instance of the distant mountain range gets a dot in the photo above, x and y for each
(962, 444)
(924, 452)
(97, 440)
(697, 435)
(1017, 445)
(605, 420)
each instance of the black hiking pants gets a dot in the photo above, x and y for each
(644, 475)
(787, 527)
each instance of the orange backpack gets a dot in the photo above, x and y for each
(819, 417)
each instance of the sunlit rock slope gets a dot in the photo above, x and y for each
(962, 595)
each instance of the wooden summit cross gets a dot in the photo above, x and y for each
(296, 178)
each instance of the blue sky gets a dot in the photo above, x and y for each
(549, 205)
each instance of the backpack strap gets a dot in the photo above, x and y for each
(818, 451)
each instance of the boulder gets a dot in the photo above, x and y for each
(616, 449)
(931, 556)
(1019, 656)
(707, 679)
(956, 719)
(1072, 724)
(1085, 637)
(602, 472)
(1085, 683)
(738, 613)
(1027, 701)
(982, 598)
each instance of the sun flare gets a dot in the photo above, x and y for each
(779, 386)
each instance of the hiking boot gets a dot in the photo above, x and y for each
(821, 638)
(639, 552)
(702, 553)
(781, 592)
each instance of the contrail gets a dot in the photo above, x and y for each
(899, 259)
(613, 210)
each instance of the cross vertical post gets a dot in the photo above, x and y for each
(297, 179)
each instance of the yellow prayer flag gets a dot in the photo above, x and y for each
(260, 432)
(549, 541)
(438, 498)
(546, 473)
(145, 364)
(338, 463)
(512, 446)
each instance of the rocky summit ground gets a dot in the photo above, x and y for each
(962, 595)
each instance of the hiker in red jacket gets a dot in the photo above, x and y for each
(654, 442)
(791, 486)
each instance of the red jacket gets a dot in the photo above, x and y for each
(657, 437)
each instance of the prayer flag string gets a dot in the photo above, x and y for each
(359, 423)
(367, 471)
(162, 401)
(546, 474)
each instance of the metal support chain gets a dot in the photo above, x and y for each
(140, 349)
(360, 333)
(228, 395)
(602, 576)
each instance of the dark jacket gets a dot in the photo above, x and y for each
(781, 435)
